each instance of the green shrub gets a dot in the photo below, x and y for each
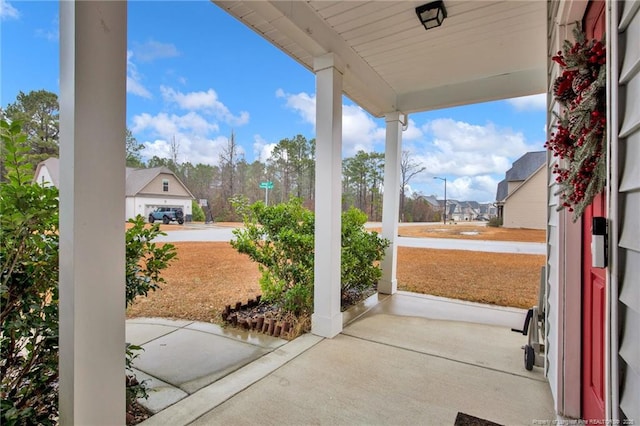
(28, 289)
(361, 252)
(145, 260)
(197, 214)
(280, 239)
(495, 222)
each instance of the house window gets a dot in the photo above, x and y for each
(165, 185)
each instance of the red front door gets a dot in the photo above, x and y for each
(593, 279)
(593, 321)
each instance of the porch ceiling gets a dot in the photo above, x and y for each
(484, 50)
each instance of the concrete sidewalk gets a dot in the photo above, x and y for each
(403, 359)
(181, 357)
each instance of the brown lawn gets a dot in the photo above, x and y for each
(209, 275)
(472, 232)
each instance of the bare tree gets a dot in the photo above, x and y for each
(174, 151)
(408, 169)
(229, 158)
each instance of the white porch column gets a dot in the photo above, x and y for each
(93, 64)
(388, 284)
(326, 320)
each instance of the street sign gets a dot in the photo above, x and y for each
(266, 186)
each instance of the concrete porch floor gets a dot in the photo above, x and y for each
(401, 360)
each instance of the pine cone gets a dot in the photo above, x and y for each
(563, 90)
(581, 81)
(574, 119)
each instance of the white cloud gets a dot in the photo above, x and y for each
(135, 87)
(302, 103)
(463, 149)
(134, 83)
(152, 50)
(262, 149)
(472, 188)
(474, 157)
(359, 130)
(194, 131)
(7, 11)
(413, 132)
(530, 103)
(191, 148)
(194, 134)
(206, 102)
(166, 126)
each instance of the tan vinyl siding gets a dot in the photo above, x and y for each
(512, 186)
(525, 207)
(629, 212)
(176, 189)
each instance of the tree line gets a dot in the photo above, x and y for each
(290, 167)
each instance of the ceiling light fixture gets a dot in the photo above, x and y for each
(431, 14)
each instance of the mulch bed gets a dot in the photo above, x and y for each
(266, 318)
(136, 413)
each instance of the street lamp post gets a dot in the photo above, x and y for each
(444, 210)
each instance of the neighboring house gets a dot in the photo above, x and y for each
(461, 211)
(470, 210)
(146, 189)
(488, 210)
(455, 211)
(47, 172)
(379, 56)
(432, 200)
(522, 196)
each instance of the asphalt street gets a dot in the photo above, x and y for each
(223, 233)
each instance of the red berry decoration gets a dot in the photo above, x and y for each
(579, 139)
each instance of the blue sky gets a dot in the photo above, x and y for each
(196, 74)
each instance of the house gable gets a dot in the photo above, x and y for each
(165, 185)
(138, 181)
(521, 170)
(526, 206)
(47, 172)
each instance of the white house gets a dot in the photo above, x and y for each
(146, 189)
(381, 57)
(48, 172)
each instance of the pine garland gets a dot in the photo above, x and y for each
(580, 134)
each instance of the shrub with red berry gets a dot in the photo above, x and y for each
(579, 137)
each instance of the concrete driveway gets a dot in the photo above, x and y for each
(198, 233)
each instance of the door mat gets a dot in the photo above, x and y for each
(463, 419)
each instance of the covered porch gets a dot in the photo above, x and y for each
(376, 53)
(400, 359)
